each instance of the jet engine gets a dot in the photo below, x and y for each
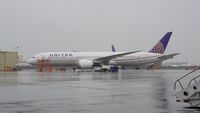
(85, 64)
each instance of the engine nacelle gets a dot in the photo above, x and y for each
(85, 64)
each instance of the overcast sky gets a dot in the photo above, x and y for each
(93, 25)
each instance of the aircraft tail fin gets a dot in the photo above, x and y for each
(113, 48)
(162, 44)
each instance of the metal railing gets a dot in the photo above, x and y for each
(178, 80)
(194, 79)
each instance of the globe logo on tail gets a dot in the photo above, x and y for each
(159, 48)
(162, 44)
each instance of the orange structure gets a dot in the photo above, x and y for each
(44, 66)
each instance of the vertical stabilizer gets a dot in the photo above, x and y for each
(160, 48)
(113, 48)
(162, 44)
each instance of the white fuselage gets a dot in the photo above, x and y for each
(73, 58)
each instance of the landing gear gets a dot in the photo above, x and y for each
(104, 70)
(137, 68)
(74, 69)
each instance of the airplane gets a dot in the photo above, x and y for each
(156, 49)
(90, 60)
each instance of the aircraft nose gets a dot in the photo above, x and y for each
(32, 61)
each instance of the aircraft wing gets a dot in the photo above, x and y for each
(106, 59)
(165, 57)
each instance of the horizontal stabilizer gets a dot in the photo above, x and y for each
(157, 65)
(165, 57)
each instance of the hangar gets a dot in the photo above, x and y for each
(8, 60)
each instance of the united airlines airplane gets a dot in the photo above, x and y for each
(89, 60)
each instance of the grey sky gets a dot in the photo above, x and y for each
(93, 25)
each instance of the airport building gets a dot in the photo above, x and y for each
(8, 60)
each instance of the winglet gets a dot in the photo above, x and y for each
(162, 44)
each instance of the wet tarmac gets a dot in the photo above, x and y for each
(129, 91)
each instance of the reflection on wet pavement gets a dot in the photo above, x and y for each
(129, 91)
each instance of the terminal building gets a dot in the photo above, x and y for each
(8, 60)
